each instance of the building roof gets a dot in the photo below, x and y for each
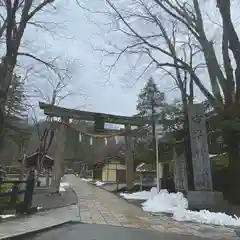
(32, 159)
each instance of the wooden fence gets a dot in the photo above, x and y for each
(18, 198)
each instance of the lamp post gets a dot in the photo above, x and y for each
(157, 100)
(157, 156)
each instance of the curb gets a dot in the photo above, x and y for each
(19, 216)
(28, 234)
(31, 211)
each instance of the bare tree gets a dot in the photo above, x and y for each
(12, 29)
(55, 91)
(163, 39)
(156, 28)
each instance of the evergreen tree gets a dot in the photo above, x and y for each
(15, 107)
(15, 130)
(146, 106)
(147, 103)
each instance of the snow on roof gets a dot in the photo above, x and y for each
(144, 167)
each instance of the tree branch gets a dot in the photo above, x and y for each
(38, 8)
(47, 64)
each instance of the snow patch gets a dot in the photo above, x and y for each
(63, 186)
(206, 217)
(86, 179)
(61, 189)
(144, 195)
(99, 183)
(177, 204)
(7, 216)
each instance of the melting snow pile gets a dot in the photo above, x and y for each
(165, 202)
(177, 204)
(206, 217)
(144, 195)
(63, 186)
(98, 183)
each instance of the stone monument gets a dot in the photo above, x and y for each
(203, 197)
(180, 173)
(199, 147)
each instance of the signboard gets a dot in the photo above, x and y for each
(199, 147)
(149, 179)
(180, 173)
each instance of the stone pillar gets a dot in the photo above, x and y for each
(203, 197)
(129, 158)
(199, 147)
(59, 155)
(180, 173)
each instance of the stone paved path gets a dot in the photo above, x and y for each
(101, 207)
(38, 221)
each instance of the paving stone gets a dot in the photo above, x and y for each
(117, 212)
(37, 221)
(129, 225)
(158, 228)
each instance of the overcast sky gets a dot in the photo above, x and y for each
(93, 89)
(75, 37)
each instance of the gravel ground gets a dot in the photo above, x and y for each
(44, 199)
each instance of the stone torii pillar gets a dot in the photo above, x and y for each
(59, 155)
(129, 158)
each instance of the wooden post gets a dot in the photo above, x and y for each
(28, 196)
(116, 167)
(129, 158)
(14, 196)
(48, 177)
(141, 182)
(59, 156)
(22, 168)
(107, 171)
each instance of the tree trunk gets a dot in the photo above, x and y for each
(187, 141)
(6, 73)
(188, 153)
(231, 138)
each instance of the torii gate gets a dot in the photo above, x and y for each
(65, 114)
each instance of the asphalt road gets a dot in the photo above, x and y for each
(79, 231)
